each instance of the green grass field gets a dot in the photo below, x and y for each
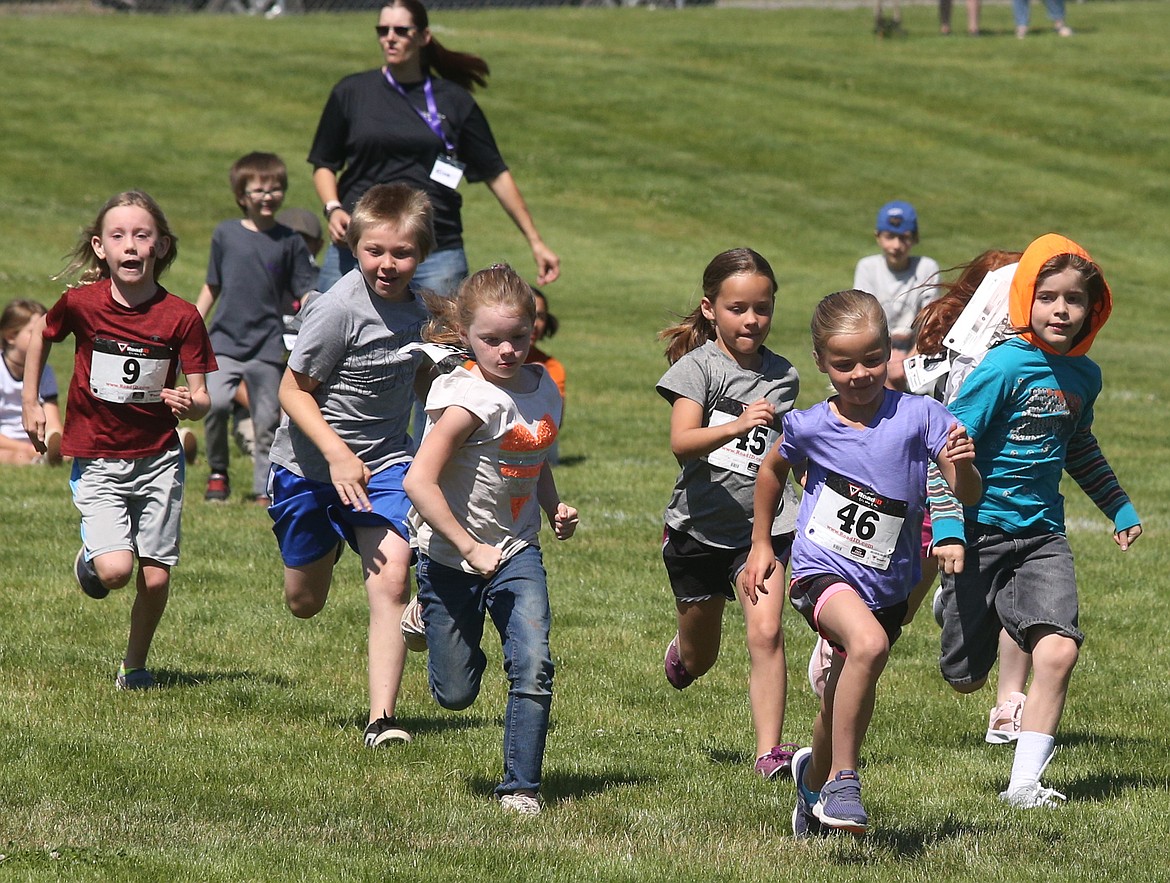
(645, 141)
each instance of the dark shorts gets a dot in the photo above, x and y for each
(1013, 582)
(807, 593)
(309, 518)
(699, 572)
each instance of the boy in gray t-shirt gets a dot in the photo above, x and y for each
(256, 269)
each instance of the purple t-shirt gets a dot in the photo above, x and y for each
(861, 514)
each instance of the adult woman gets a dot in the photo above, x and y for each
(400, 123)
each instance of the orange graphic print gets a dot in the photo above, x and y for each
(522, 453)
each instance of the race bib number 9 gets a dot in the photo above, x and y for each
(129, 372)
(745, 453)
(856, 522)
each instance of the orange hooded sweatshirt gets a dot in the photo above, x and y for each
(1023, 290)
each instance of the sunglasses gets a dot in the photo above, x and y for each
(403, 31)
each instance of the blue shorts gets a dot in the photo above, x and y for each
(309, 518)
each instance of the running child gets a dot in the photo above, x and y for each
(478, 484)
(130, 337)
(1029, 406)
(17, 329)
(727, 393)
(855, 557)
(340, 454)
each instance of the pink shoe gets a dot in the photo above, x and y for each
(819, 664)
(1003, 723)
(777, 763)
(676, 672)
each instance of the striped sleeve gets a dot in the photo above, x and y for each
(946, 513)
(1089, 469)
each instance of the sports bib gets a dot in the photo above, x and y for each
(856, 522)
(745, 453)
(129, 372)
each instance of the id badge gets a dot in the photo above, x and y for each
(448, 171)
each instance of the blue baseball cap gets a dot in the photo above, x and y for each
(897, 217)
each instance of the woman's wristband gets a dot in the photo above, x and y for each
(330, 207)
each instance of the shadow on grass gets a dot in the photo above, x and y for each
(171, 679)
(574, 460)
(911, 843)
(723, 757)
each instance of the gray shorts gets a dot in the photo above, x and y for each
(1016, 582)
(130, 504)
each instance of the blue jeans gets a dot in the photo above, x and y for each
(516, 598)
(1022, 13)
(441, 272)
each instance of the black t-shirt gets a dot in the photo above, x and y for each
(371, 135)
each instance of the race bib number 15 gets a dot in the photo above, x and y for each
(745, 453)
(129, 372)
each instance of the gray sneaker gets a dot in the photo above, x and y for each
(840, 804)
(87, 577)
(804, 823)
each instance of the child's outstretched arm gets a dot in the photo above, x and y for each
(1088, 467)
(32, 411)
(421, 484)
(347, 472)
(562, 518)
(190, 402)
(769, 488)
(956, 462)
(690, 439)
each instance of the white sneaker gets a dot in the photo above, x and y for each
(1032, 796)
(414, 633)
(521, 804)
(937, 608)
(1003, 722)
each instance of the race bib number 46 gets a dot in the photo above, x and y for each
(857, 522)
(129, 372)
(745, 453)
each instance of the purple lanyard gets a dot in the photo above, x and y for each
(431, 117)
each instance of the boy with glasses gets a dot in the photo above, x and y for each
(257, 268)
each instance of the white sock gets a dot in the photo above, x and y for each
(1033, 751)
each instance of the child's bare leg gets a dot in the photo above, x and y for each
(847, 620)
(700, 629)
(386, 570)
(154, 581)
(973, 16)
(306, 588)
(115, 568)
(1053, 657)
(768, 674)
(817, 771)
(1015, 665)
(918, 593)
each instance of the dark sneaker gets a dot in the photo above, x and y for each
(134, 679)
(87, 577)
(676, 672)
(219, 489)
(840, 804)
(804, 823)
(777, 762)
(385, 729)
